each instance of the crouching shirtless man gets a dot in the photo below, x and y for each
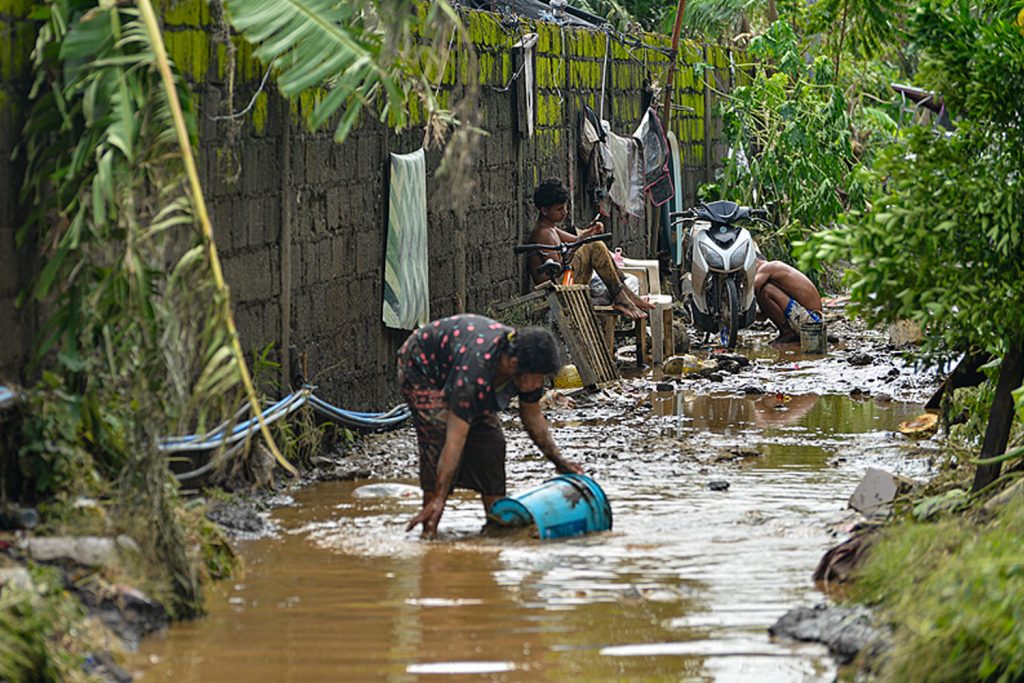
(787, 297)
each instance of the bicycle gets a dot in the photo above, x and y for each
(560, 273)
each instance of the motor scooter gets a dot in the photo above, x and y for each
(719, 256)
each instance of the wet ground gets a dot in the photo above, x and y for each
(684, 587)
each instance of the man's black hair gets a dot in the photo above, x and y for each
(537, 351)
(550, 192)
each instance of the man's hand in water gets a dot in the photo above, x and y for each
(429, 516)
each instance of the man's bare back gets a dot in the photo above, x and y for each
(776, 285)
(791, 281)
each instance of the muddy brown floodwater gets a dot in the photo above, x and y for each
(682, 589)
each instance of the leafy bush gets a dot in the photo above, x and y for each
(792, 125)
(956, 593)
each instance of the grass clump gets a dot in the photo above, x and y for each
(954, 591)
(44, 635)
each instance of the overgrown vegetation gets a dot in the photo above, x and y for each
(36, 628)
(790, 132)
(953, 589)
(139, 341)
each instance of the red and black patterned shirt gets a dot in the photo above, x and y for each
(459, 356)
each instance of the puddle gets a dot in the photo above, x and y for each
(683, 588)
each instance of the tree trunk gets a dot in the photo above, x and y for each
(1000, 418)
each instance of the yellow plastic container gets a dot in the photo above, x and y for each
(568, 378)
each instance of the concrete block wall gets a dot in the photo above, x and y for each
(300, 221)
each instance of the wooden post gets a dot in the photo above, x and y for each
(1000, 417)
(670, 83)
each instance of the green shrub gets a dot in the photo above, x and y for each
(955, 592)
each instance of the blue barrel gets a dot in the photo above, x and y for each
(567, 505)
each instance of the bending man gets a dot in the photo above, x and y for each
(551, 199)
(456, 374)
(787, 297)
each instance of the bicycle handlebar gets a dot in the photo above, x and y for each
(524, 248)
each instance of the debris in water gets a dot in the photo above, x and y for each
(387, 491)
(922, 425)
(876, 490)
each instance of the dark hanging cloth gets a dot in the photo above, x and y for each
(595, 159)
(657, 179)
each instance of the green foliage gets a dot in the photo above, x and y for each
(137, 343)
(862, 28)
(955, 591)
(54, 456)
(943, 242)
(353, 51)
(792, 123)
(33, 630)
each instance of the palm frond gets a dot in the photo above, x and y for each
(341, 49)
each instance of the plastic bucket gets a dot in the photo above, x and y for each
(813, 338)
(567, 505)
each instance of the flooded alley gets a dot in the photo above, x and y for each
(684, 587)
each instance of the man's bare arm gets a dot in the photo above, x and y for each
(456, 432)
(537, 427)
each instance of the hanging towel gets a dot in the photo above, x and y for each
(522, 54)
(406, 291)
(627, 191)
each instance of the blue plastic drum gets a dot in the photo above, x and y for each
(567, 505)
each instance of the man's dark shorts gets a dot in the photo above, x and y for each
(483, 458)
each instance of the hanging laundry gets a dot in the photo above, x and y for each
(627, 189)
(657, 179)
(596, 161)
(406, 290)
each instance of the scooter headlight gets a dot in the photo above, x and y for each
(713, 258)
(737, 258)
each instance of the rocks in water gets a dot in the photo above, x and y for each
(664, 386)
(751, 390)
(350, 471)
(845, 630)
(88, 551)
(128, 612)
(718, 485)
(735, 453)
(860, 358)
(237, 517)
